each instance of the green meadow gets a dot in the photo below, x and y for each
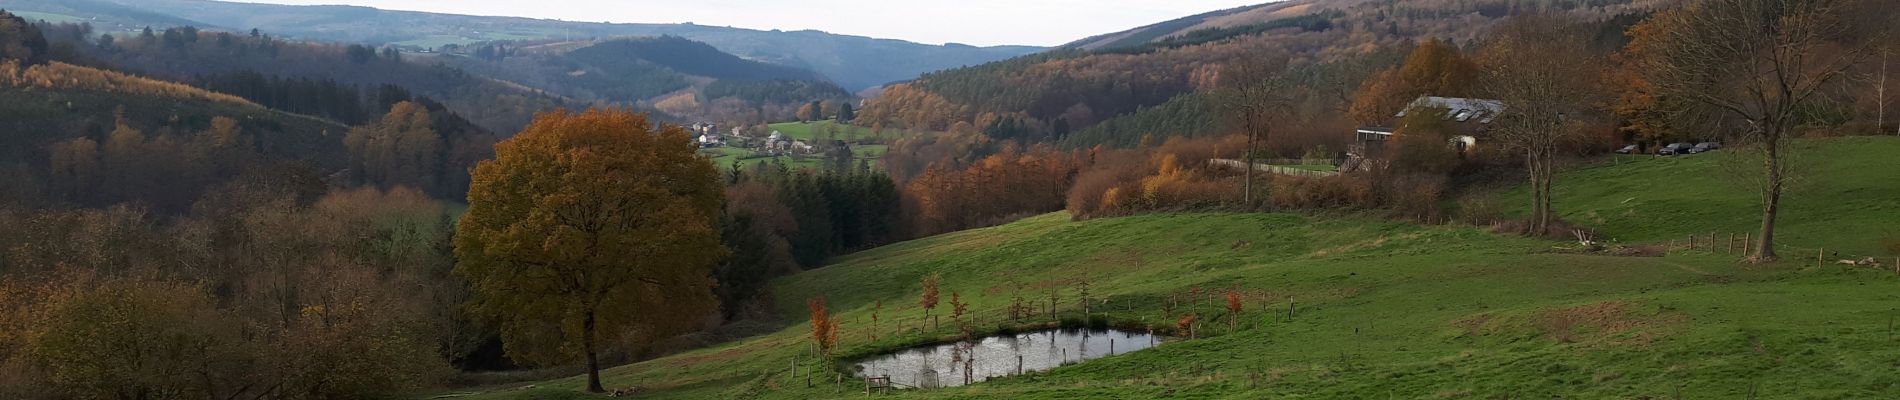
(1347, 305)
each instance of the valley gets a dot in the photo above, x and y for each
(1419, 199)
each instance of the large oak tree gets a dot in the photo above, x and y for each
(587, 228)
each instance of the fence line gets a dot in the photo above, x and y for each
(1274, 169)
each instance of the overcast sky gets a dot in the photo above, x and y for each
(976, 22)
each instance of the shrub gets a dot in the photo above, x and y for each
(1891, 243)
(1175, 175)
(1478, 209)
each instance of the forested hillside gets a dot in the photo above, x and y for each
(1334, 44)
(91, 137)
(322, 75)
(686, 79)
(853, 62)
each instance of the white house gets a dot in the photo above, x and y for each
(1468, 117)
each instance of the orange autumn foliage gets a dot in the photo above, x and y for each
(598, 223)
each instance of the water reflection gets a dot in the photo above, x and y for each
(956, 364)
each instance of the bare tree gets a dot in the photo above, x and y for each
(1541, 69)
(1754, 60)
(1257, 93)
(1881, 94)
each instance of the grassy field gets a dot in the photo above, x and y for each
(1845, 197)
(1380, 309)
(809, 132)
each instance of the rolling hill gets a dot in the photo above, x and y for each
(684, 78)
(854, 62)
(1334, 45)
(45, 105)
(204, 57)
(1344, 306)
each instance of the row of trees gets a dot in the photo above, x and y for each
(196, 56)
(268, 289)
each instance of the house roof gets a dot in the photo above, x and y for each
(1458, 108)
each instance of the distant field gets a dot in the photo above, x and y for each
(1345, 306)
(812, 130)
(437, 41)
(48, 17)
(809, 132)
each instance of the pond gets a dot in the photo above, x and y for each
(945, 365)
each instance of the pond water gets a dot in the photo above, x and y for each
(945, 365)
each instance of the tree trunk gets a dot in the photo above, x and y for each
(1543, 194)
(1247, 197)
(1771, 199)
(593, 360)
(1538, 163)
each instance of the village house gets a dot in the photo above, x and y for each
(1467, 119)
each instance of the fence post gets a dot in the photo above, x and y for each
(1819, 258)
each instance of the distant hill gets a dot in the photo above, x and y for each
(679, 76)
(853, 62)
(43, 107)
(688, 57)
(224, 60)
(1334, 44)
(1158, 31)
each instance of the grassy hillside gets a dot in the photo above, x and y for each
(1845, 199)
(1381, 309)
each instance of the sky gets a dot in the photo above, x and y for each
(973, 22)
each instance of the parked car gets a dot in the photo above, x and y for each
(1675, 149)
(1630, 149)
(1705, 147)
